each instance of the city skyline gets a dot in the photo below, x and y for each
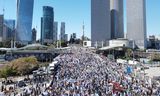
(74, 17)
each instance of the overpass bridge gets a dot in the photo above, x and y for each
(42, 54)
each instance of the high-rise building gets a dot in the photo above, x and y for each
(47, 22)
(74, 35)
(10, 23)
(24, 21)
(1, 27)
(116, 9)
(34, 35)
(62, 33)
(65, 37)
(136, 22)
(41, 30)
(100, 22)
(9, 30)
(55, 31)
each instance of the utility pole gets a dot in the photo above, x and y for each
(15, 37)
(60, 40)
(133, 49)
(96, 45)
(102, 44)
(83, 27)
(57, 44)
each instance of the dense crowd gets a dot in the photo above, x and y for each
(32, 87)
(81, 72)
(84, 73)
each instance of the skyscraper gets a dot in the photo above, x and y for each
(62, 33)
(65, 37)
(34, 35)
(8, 29)
(47, 25)
(136, 22)
(41, 30)
(116, 9)
(74, 35)
(1, 27)
(10, 23)
(100, 21)
(55, 31)
(24, 20)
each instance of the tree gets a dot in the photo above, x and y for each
(19, 45)
(7, 71)
(155, 57)
(21, 66)
(64, 43)
(6, 43)
(3, 73)
(85, 38)
(24, 66)
(128, 53)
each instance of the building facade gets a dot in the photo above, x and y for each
(100, 22)
(74, 35)
(34, 35)
(8, 30)
(117, 25)
(136, 22)
(55, 31)
(153, 42)
(41, 31)
(24, 20)
(47, 22)
(1, 27)
(66, 37)
(62, 33)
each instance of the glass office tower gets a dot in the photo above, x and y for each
(62, 33)
(24, 20)
(55, 31)
(47, 25)
(1, 27)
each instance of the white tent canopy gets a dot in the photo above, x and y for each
(53, 63)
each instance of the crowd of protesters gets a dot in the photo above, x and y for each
(32, 87)
(81, 72)
(84, 73)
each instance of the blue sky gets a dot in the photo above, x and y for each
(74, 12)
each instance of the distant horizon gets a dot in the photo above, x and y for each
(74, 13)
